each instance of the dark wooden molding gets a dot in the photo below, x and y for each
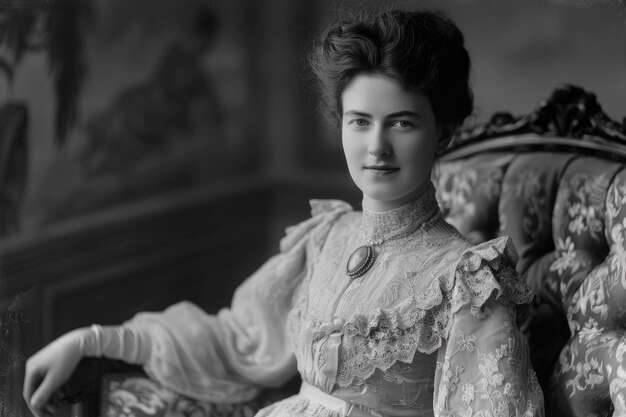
(104, 267)
(13, 164)
(571, 119)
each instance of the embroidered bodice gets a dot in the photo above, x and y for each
(428, 330)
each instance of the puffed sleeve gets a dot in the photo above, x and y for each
(483, 365)
(228, 356)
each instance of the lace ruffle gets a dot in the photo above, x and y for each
(421, 321)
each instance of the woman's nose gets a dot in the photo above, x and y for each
(378, 143)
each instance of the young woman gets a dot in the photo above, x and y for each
(384, 312)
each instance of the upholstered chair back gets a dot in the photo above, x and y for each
(555, 182)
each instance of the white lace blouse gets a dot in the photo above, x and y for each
(428, 330)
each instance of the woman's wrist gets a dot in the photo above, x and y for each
(90, 341)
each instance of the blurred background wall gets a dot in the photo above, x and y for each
(178, 93)
(154, 150)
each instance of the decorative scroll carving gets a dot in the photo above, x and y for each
(571, 112)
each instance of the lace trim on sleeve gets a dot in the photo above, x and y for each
(421, 321)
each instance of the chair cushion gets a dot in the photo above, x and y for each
(135, 395)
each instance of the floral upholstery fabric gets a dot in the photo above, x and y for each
(566, 214)
(136, 395)
(594, 360)
(468, 193)
(529, 194)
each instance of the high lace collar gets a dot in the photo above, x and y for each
(382, 225)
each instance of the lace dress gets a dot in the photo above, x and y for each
(428, 330)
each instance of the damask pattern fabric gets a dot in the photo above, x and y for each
(594, 360)
(429, 330)
(565, 212)
(468, 192)
(135, 395)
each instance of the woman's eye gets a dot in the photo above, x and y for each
(402, 124)
(358, 123)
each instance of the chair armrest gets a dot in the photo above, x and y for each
(84, 386)
(88, 392)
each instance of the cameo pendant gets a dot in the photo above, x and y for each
(360, 261)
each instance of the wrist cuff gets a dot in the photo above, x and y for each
(116, 342)
(91, 343)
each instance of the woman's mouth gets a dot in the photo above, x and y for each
(381, 169)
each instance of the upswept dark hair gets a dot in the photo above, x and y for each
(422, 50)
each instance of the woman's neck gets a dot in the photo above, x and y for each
(380, 206)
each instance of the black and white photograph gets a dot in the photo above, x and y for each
(312, 208)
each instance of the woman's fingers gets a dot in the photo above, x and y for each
(50, 410)
(39, 386)
(40, 412)
(32, 379)
(44, 392)
(47, 370)
(46, 411)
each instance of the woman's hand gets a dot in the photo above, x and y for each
(49, 368)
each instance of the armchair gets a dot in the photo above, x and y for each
(555, 181)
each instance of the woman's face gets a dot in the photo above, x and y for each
(389, 137)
